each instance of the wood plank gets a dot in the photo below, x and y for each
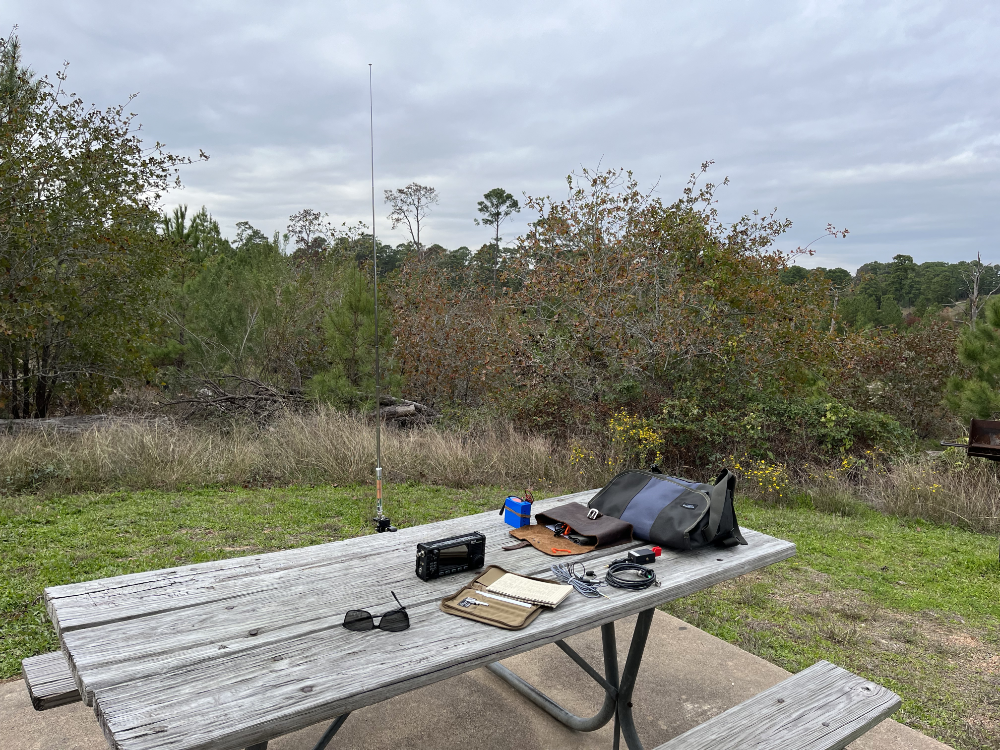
(49, 680)
(823, 707)
(259, 689)
(91, 603)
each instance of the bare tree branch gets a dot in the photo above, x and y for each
(410, 205)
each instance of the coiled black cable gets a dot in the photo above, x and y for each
(646, 576)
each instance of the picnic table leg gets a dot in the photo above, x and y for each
(609, 682)
(617, 694)
(323, 741)
(623, 715)
(332, 730)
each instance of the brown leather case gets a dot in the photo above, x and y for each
(606, 530)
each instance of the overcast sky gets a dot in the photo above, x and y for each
(880, 117)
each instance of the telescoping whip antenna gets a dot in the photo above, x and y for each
(382, 522)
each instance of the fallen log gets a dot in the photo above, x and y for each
(404, 413)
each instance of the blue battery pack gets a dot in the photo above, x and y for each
(516, 512)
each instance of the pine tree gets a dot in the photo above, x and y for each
(350, 338)
(889, 313)
(978, 397)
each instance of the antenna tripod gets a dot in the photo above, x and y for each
(381, 521)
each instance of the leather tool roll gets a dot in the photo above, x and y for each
(604, 531)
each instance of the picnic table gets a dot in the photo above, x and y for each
(233, 653)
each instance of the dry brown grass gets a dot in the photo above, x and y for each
(327, 446)
(950, 489)
(947, 489)
(324, 446)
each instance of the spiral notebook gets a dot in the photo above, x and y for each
(530, 590)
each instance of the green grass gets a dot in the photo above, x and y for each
(910, 605)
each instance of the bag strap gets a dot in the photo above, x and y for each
(718, 504)
(737, 537)
(719, 507)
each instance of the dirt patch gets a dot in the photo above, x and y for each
(196, 533)
(926, 658)
(946, 671)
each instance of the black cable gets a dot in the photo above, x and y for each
(636, 578)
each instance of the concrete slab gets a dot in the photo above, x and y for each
(687, 676)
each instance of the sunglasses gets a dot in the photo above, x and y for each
(360, 620)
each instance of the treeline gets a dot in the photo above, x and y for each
(903, 293)
(616, 316)
(294, 310)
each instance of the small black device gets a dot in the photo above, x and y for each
(451, 555)
(642, 556)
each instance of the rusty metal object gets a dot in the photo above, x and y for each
(984, 440)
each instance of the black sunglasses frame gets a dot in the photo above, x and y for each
(368, 620)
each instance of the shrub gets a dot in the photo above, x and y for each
(762, 479)
(901, 374)
(614, 300)
(794, 429)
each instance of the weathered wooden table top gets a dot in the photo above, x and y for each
(225, 654)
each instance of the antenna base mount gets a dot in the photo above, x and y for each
(383, 524)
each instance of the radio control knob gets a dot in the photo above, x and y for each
(477, 561)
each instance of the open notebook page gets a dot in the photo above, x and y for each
(527, 590)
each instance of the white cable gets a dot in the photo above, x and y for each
(565, 573)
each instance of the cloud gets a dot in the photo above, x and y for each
(879, 117)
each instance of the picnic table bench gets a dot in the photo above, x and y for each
(230, 654)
